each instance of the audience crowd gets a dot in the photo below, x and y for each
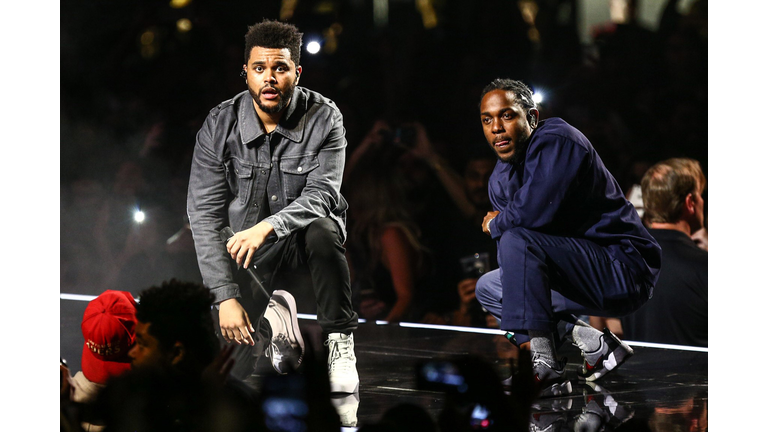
(417, 164)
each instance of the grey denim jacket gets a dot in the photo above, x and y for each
(231, 165)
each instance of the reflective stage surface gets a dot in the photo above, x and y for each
(659, 388)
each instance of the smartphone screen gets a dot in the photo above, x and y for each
(284, 403)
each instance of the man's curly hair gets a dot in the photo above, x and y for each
(181, 312)
(274, 34)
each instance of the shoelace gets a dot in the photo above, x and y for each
(340, 350)
(559, 367)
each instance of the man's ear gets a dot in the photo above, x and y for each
(178, 352)
(533, 117)
(298, 74)
(690, 204)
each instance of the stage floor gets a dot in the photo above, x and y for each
(659, 388)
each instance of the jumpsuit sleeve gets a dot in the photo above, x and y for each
(552, 165)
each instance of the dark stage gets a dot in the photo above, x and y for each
(659, 388)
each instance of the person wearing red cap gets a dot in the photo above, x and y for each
(108, 328)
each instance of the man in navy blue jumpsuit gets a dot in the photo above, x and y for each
(569, 243)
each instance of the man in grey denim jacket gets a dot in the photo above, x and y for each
(268, 163)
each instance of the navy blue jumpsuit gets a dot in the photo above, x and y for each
(569, 242)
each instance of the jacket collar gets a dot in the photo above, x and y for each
(291, 125)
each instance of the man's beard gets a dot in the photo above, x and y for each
(283, 98)
(521, 148)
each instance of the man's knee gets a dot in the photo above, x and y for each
(322, 236)
(488, 288)
(516, 234)
(517, 242)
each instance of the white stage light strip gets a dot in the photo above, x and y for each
(667, 346)
(453, 328)
(76, 297)
(87, 298)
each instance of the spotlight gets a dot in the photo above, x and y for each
(313, 47)
(537, 98)
(139, 216)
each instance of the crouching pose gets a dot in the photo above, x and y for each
(569, 243)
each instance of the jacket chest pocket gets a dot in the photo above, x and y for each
(294, 172)
(240, 179)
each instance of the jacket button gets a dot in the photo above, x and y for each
(299, 170)
(274, 197)
(263, 171)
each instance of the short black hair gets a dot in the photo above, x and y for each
(274, 34)
(523, 93)
(181, 312)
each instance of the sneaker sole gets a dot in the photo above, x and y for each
(616, 357)
(287, 300)
(345, 387)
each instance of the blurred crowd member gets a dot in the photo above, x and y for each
(569, 241)
(387, 258)
(701, 238)
(108, 328)
(460, 249)
(268, 164)
(176, 362)
(692, 414)
(465, 260)
(674, 210)
(175, 329)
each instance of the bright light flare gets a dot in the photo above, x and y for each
(139, 216)
(537, 98)
(313, 47)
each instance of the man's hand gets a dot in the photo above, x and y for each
(467, 290)
(422, 147)
(234, 322)
(487, 220)
(243, 244)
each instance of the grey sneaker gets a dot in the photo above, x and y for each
(550, 380)
(342, 369)
(286, 348)
(610, 355)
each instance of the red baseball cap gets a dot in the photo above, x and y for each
(108, 328)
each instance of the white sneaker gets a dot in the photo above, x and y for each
(342, 369)
(286, 348)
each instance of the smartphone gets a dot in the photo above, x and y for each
(480, 419)
(447, 376)
(284, 403)
(440, 375)
(405, 135)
